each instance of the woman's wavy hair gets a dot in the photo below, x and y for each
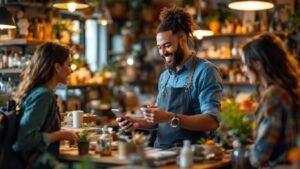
(41, 67)
(278, 67)
(177, 20)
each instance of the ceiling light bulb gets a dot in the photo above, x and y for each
(103, 22)
(72, 6)
(251, 5)
(73, 67)
(6, 20)
(2, 26)
(130, 61)
(200, 33)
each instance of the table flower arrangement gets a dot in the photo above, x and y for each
(236, 121)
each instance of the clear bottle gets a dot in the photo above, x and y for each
(1, 60)
(2, 85)
(10, 60)
(5, 60)
(10, 86)
(234, 50)
(186, 155)
(16, 60)
(105, 142)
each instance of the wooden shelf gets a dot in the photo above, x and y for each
(21, 42)
(244, 34)
(83, 86)
(236, 83)
(10, 71)
(28, 4)
(223, 59)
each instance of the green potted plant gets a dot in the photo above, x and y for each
(235, 121)
(236, 127)
(294, 24)
(83, 142)
(62, 29)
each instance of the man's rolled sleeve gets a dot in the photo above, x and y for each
(210, 92)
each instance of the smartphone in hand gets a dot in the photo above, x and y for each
(121, 114)
(118, 113)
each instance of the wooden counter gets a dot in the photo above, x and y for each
(224, 163)
(71, 155)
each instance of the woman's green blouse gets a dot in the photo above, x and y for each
(39, 109)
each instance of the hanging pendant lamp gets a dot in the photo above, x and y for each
(201, 28)
(6, 19)
(251, 5)
(71, 5)
(103, 14)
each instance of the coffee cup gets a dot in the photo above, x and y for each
(77, 118)
(125, 149)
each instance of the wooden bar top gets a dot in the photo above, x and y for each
(203, 165)
(71, 155)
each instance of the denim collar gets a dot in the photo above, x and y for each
(187, 65)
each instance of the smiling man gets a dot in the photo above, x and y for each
(190, 89)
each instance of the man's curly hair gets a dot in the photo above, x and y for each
(177, 20)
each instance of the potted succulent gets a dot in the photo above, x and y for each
(83, 142)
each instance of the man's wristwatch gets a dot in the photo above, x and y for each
(174, 121)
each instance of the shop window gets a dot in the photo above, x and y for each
(91, 44)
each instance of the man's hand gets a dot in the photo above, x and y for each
(127, 123)
(154, 114)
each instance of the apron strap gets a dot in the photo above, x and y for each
(189, 81)
(166, 82)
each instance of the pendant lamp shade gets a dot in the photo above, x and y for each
(6, 19)
(201, 29)
(103, 15)
(71, 5)
(251, 5)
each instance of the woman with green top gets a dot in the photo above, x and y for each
(40, 123)
(268, 66)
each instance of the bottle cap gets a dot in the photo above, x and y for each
(186, 143)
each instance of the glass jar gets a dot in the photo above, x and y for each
(105, 142)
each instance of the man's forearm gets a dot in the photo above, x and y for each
(201, 122)
(143, 124)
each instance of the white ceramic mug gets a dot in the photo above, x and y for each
(77, 118)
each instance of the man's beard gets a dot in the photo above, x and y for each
(178, 57)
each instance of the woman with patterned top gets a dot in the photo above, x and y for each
(269, 67)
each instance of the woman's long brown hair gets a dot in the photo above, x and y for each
(41, 67)
(277, 66)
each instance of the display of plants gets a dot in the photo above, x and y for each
(236, 123)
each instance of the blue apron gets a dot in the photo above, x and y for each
(179, 101)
